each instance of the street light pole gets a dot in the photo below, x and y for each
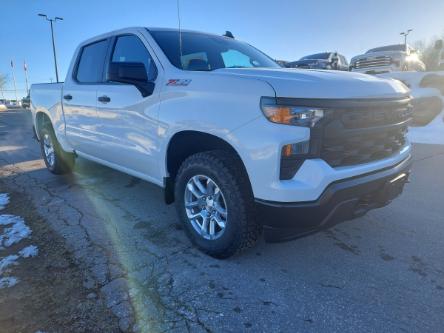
(405, 34)
(53, 42)
(25, 69)
(13, 80)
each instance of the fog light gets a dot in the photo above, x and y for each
(296, 149)
(292, 157)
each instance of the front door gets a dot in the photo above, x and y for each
(127, 121)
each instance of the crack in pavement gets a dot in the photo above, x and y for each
(174, 312)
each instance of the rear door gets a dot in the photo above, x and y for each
(128, 120)
(80, 97)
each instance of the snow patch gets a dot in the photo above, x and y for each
(8, 282)
(14, 233)
(8, 261)
(4, 200)
(29, 251)
(11, 260)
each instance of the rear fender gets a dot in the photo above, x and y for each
(53, 117)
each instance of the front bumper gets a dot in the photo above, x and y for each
(342, 200)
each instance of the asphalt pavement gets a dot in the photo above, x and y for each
(383, 272)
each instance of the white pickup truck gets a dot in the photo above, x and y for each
(391, 58)
(240, 144)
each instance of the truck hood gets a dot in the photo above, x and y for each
(298, 83)
(309, 61)
(393, 54)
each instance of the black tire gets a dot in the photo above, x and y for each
(63, 161)
(241, 230)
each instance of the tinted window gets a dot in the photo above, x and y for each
(317, 56)
(90, 68)
(208, 52)
(131, 49)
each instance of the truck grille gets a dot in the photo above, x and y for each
(353, 131)
(373, 62)
(364, 134)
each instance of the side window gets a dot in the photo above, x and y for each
(131, 49)
(92, 60)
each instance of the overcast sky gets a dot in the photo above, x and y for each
(284, 29)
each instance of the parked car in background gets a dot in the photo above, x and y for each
(13, 103)
(2, 105)
(325, 60)
(283, 63)
(240, 144)
(427, 92)
(26, 102)
(391, 58)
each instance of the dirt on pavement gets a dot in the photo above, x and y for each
(49, 296)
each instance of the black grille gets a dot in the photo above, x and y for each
(364, 148)
(364, 134)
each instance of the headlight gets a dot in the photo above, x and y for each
(289, 113)
(412, 57)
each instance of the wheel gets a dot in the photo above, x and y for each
(215, 203)
(56, 159)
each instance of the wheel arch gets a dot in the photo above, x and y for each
(186, 143)
(41, 119)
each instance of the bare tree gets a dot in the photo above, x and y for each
(3, 82)
(429, 55)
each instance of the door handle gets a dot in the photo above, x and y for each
(104, 99)
(67, 97)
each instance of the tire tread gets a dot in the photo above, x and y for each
(231, 172)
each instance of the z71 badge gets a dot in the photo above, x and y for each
(178, 82)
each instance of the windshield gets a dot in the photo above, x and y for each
(397, 47)
(324, 55)
(202, 52)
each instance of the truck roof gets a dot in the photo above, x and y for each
(138, 28)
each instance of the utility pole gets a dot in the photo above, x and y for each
(13, 80)
(405, 34)
(25, 68)
(51, 20)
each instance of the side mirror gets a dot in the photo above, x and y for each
(439, 44)
(131, 73)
